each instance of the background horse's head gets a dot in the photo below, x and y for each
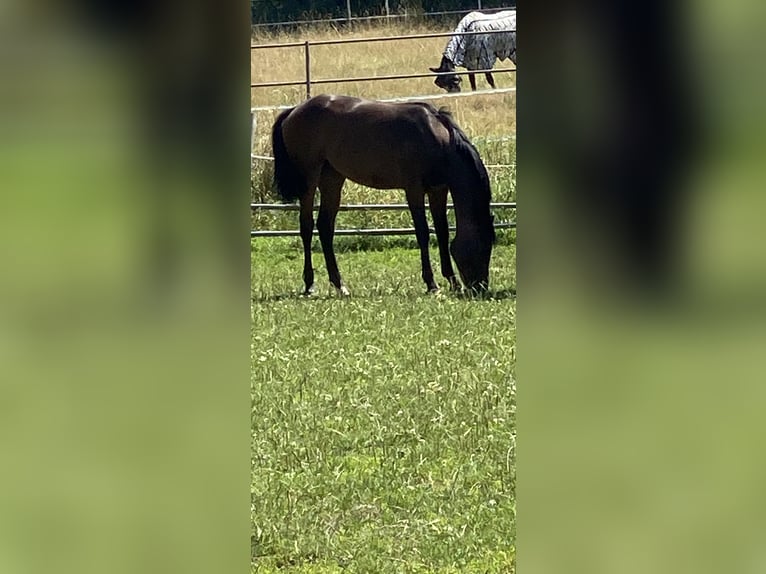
(449, 82)
(471, 249)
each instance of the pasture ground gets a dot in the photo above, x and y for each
(383, 425)
(383, 432)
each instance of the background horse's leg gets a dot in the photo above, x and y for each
(437, 201)
(415, 200)
(490, 79)
(330, 184)
(307, 230)
(472, 79)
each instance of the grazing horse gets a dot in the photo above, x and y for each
(411, 146)
(477, 51)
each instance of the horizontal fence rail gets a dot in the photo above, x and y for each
(370, 78)
(487, 165)
(380, 231)
(386, 16)
(362, 207)
(374, 39)
(404, 98)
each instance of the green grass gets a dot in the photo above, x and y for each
(383, 435)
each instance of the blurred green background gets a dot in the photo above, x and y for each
(640, 411)
(124, 403)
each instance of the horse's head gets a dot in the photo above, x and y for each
(471, 249)
(449, 82)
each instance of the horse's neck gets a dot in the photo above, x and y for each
(467, 211)
(446, 64)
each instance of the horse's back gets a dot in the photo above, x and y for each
(377, 144)
(499, 42)
(478, 51)
(367, 121)
(468, 20)
(477, 21)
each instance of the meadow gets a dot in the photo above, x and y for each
(383, 425)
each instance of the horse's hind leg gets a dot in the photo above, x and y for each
(472, 79)
(307, 231)
(330, 184)
(437, 200)
(490, 79)
(418, 212)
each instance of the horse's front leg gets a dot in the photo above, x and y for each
(418, 212)
(330, 184)
(438, 204)
(490, 79)
(472, 79)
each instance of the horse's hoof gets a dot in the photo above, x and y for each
(309, 291)
(343, 291)
(433, 290)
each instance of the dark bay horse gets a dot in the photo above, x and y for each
(411, 146)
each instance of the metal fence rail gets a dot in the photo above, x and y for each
(367, 232)
(362, 207)
(373, 39)
(402, 98)
(375, 78)
(387, 16)
(487, 165)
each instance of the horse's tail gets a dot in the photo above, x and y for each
(289, 182)
(481, 194)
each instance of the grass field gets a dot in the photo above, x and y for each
(383, 425)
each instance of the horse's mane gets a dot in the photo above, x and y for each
(480, 197)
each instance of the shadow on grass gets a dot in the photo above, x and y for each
(349, 244)
(489, 295)
(345, 244)
(376, 293)
(274, 297)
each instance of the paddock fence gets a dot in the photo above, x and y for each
(308, 81)
(306, 45)
(363, 207)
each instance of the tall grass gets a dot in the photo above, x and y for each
(354, 60)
